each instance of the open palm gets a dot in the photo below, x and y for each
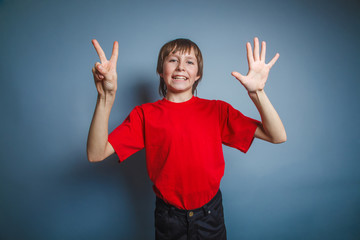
(258, 70)
(105, 75)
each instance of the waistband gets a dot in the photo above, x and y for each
(206, 209)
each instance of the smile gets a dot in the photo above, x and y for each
(179, 78)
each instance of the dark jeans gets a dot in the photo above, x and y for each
(206, 222)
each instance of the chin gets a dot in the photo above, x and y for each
(180, 90)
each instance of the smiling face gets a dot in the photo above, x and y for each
(180, 72)
(180, 46)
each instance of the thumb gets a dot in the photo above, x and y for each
(100, 68)
(238, 76)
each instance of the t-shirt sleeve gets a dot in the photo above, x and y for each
(237, 130)
(128, 137)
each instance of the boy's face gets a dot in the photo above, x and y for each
(180, 72)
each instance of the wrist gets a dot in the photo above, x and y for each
(256, 93)
(106, 98)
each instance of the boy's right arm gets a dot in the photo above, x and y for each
(98, 147)
(105, 77)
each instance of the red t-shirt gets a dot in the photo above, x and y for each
(183, 143)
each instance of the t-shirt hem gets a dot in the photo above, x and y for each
(251, 136)
(248, 141)
(117, 151)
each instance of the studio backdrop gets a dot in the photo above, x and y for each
(305, 188)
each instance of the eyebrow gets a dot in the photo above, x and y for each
(177, 55)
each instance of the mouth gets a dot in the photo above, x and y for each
(178, 77)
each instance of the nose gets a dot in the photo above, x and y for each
(180, 66)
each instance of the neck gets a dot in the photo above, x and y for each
(178, 97)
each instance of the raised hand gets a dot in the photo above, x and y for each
(105, 75)
(258, 70)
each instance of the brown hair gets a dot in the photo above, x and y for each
(182, 45)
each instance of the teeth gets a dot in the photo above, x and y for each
(184, 78)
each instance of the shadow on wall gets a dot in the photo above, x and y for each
(123, 196)
(132, 175)
(66, 197)
(142, 91)
(106, 200)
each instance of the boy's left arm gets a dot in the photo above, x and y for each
(271, 129)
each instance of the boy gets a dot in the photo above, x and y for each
(183, 135)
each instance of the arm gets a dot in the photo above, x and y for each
(271, 129)
(105, 77)
(98, 147)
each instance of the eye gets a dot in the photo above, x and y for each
(191, 62)
(172, 60)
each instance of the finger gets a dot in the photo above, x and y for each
(115, 53)
(256, 49)
(273, 61)
(99, 75)
(263, 51)
(100, 68)
(96, 74)
(96, 77)
(250, 56)
(238, 76)
(99, 51)
(99, 71)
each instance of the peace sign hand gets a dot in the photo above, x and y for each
(105, 75)
(258, 70)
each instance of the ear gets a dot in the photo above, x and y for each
(197, 78)
(161, 75)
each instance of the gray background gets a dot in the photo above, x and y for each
(306, 188)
